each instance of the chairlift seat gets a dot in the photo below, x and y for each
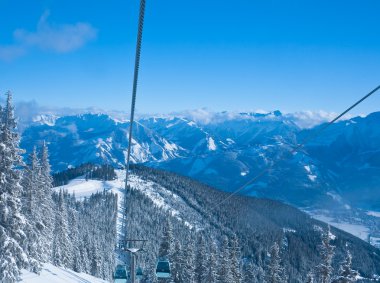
(163, 268)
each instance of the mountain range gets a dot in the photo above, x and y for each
(338, 170)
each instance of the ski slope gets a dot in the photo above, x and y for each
(54, 274)
(81, 188)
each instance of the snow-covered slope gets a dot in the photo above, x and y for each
(192, 204)
(53, 274)
(160, 196)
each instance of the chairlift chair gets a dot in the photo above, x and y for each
(163, 268)
(139, 273)
(120, 275)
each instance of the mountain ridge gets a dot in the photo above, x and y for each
(337, 172)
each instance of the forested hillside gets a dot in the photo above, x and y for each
(236, 236)
(39, 226)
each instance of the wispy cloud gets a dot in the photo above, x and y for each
(309, 119)
(59, 38)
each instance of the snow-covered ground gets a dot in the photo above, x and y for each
(357, 230)
(160, 196)
(168, 201)
(374, 213)
(53, 274)
(81, 188)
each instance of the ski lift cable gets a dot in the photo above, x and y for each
(134, 91)
(135, 81)
(306, 140)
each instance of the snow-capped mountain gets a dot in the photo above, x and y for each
(73, 140)
(338, 169)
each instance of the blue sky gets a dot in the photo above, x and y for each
(223, 55)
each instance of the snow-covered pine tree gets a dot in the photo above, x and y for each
(34, 226)
(166, 245)
(201, 261)
(249, 275)
(260, 275)
(212, 272)
(46, 203)
(310, 277)
(177, 262)
(235, 260)
(346, 273)
(61, 255)
(224, 272)
(326, 251)
(188, 272)
(95, 261)
(84, 251)
(275, 271)
(12, 222)
(166, 248)
(74, 240)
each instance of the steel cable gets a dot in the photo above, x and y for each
(307, 139)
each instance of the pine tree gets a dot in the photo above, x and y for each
(235, 260)
(212, 272)
(177, 263)
(346, 273)
(224, 272)
(201, 261)
(95, 261)
(12, 222)
(31, 207)
(260, 274)
(165, 250)
(326, 251)
(84, 252)
(74, 240)
(46, 203)
(61, 244)
(275, 271)
(249, 275)
(188, 272)
(310, 277)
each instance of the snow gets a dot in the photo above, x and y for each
(211, 144)
(312, 177)
(288, 230)
(82, 188)
(307, 168)
(44, 119)
(357, 230)
(332, 236)
(374, 213)
(53, 274)
(170, 146)
(334, 196)
(162, 198)
(375, 241)
(230, 141)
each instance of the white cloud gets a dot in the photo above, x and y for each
(60, 38)
(309, 119)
